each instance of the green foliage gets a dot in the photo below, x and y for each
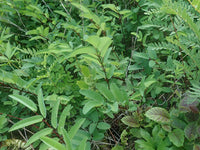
(26, 122)
(158, 114)
(74, 74)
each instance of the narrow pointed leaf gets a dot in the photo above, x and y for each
(25, 101)
(76, 127)
(52, 143)
(67, 139)
(158, 114)
(41, 104)
(91, 104)
(26, 122)
(64, 114)
(37, 135)
(82, 145)
(54, 114)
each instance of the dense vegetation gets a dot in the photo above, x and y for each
(100, 74)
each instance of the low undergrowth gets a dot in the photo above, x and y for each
(99, 74)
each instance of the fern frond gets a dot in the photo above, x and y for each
(195, 4)
(175, 8)
(152, 12)
(195, 90)
(162, 46)
(194, 58)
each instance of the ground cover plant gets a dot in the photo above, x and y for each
(99, 74)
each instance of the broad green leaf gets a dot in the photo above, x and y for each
(76, 127)
(90, 58)
(177, 137)
(37, 135)
(85, 70)
(91, 104)
(83, 50)
(67, 139)
(106, 56)
(93, 40)
(103, 125)
(41, 104)
(158, 114)
(104, 44)
(25, 101)
(100, 43)
(130, 121)
(54, 114)
(81, 7)
(52, 143)
(92, 95)
(26, 122)
(117, 92)
(64, 114)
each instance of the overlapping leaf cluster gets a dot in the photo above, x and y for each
(74, 74)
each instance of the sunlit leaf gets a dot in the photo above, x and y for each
(52, 143)
(25, 101)
(38, 134)
(54, 114)
(75, 128)
(158, 114)
(26, 122)
(41, 104)
(64, 114)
